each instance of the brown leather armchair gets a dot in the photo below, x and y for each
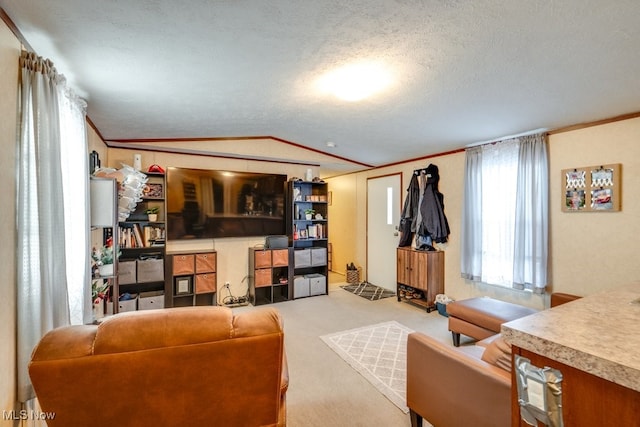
(172, 367)
(453, 386)
(462, 386)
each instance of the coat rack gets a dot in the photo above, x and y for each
(591, 188)
(422, 171)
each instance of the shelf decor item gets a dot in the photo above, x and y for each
(152, 213)
(103, 258)
(592, 188)
(99, 292)
(308, 213)
(131, 185)
(153, 191)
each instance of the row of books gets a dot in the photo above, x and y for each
(137, 236)
(313, 231)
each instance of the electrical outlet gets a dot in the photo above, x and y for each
(226, 284)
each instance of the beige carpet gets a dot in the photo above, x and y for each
(379, 353)
(323, 389)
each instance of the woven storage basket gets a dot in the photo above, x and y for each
(353, 276)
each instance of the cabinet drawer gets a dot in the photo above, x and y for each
(205, 283)
(206, 263)
(263, 277)
(262, 259)
(183, 264)
(280, 257)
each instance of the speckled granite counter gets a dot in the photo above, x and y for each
(598, 334)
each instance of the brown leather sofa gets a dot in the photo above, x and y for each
(461, 386)
(198, 366)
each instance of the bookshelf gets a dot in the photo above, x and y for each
(142, 244)
(307, 228)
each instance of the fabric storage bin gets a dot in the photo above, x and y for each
(302, 258)
(128, 305)
(183, 264)
(318, 256)
(263, 277)
(150, 270)
(205, 263)
(151, 300)
(127, 272)
(301, 286)
(262, 259)
(280, 257)
(317, 284)
(205, 283)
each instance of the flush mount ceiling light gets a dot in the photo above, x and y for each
(355, 82)
(331, 144)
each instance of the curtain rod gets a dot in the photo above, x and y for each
(503, 138)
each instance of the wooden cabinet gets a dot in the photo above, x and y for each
(587, 400)
(420, 276)
(190, 279)
(269, 275)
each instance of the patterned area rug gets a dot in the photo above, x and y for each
(379, 353)
(368, 291)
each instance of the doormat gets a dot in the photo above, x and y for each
(379, 353)
(368, 291)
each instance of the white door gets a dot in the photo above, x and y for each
(383, 215)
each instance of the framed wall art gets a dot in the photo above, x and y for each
(592, 188)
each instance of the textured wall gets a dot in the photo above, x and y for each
(592, 251)
(589, 251)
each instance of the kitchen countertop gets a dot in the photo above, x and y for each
(598, 334)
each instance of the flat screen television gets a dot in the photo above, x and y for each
(208, 204)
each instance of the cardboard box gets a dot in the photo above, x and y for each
(150, 270)
(151, 300)
(127, 272)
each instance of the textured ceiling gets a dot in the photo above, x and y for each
(463, 71)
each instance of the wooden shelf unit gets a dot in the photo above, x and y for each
(190, 278)
(269, 275)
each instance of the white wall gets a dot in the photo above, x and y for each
(589, 251)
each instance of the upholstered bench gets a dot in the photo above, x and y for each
(482, 317)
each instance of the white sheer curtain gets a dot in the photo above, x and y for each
(45, 283)
(532, 210)
(505, 215)
(75, 184)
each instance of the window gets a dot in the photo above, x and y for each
(505, 214)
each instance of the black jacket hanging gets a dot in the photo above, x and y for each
(409, 213)
(432, 220)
